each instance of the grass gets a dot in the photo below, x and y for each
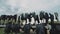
(2, 31)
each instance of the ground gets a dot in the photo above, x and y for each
(1, 30)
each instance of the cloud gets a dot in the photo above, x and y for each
(28, 5)
(38, 4)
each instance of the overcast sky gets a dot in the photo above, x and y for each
(22, 6)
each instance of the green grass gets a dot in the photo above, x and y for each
(2, 31)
